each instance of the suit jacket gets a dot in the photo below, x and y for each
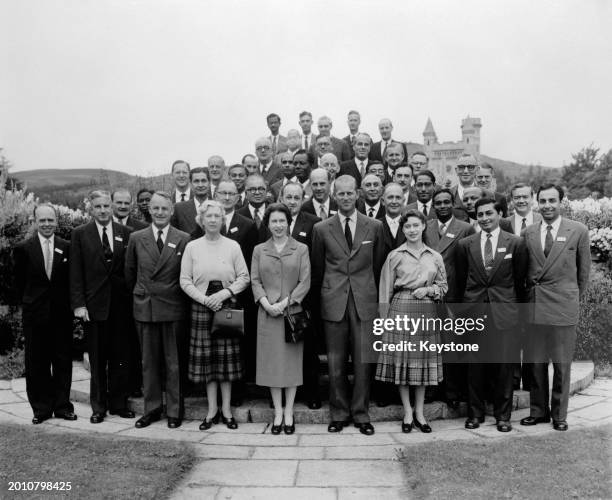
(262, 232)
(273, 174)
(303, 228)
(153, 277)
(501, 199)
(93, 283)
(308, 206)
(391, 243)
(43, 299)
(350, 168)
(173, 195)
(556, 283)
(275, 189)
(336, 268)
(361, 206)
(184, 216)
(504, 285)
(242, 230)
(376, 154)
(281, 144)
(347, 139)
(507, 224)
(135, 224)
(340, 149)
(431, 214)
(447, 246)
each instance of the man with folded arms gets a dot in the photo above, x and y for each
(558, 275)
(152, 269)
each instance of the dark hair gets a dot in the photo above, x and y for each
(177, 162)
(422, 153)
(373, 164)
(144, 190)
(487, 166)
(276, 207)
(412, 213)
(520, 185)
(306, 113)
(428, 173)
(296, 184)
(272, 115)
(238, 165)
(488, 201)
(199, 170)
(404, 164)
(443, 190)
(551, 186)
(308, 154)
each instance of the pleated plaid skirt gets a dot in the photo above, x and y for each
(406, 367)
(211, 359)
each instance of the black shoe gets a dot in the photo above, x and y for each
(289, 429)
(123, 413)
(97, 418)
(40, 419)
(337, 425)
(207, 424)
(504, 426)
(535, 420)
(406, 428)
(229, 422)
(276, 429)
(474, 422)
(422, 427)
(69, 415)
(314, 404)
(147, 420)
(366, 428)
(560, 425)
(173, 423)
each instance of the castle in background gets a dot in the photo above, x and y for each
(443, 156)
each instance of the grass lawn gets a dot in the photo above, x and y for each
(572, 464)
(98, 467)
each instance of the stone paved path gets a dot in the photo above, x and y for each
(312, 464)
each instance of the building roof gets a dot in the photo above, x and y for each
(429, 130)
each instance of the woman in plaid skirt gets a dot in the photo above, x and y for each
(412, 280)
(213, 270)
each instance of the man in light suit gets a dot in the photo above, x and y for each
(100, 298)
(152, 270)
(278, 142)
(558, 275)
(490, 275)
(377, 153)
(41, 280)
(184, 214)
(270, 171)
(181, 190)
(347, 256)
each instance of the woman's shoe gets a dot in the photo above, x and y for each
(289, 429)
(407, 427)
(229, 422)
(207, 424)
(422, 427)
(276, 429)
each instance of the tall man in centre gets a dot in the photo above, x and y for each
(347, 256)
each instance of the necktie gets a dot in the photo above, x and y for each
(106, 249)
(256, 218)
(347, 233)
(160, 242)
(322, 212)
(352, 140)
(488, 253)
(306, 142)
(274, 145)
(361, 169)
(442, 230)
(182, 196)
(371, 212)
(548, 241)
(384, 148)
(424, 210)
(48, 258)
(524, 223)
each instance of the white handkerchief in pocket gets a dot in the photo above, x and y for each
(508, 256)
(366, 242)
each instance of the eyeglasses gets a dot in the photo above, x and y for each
(471, 168)
(225, 193)
(257, 190)
(262, 148)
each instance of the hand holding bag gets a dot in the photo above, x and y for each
(296, 324)
(229, 320)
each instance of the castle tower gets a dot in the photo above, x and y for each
(470, 134)
(429, 137)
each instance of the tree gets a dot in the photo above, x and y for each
(577, 174)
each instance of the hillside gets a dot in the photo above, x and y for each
(515, 170)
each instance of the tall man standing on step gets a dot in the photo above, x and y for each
(347, 256)
(558, 275)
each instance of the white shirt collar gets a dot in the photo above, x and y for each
(494, 235)
(447, 223)
(42, 240)
(164, 232)
(261, 210)
(122, 221)
(420, 206)
(177, 194)
(352, 218)
(555, 225)
(317, 205)
(293, 179)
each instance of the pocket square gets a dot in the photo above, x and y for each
(508, 256)
(59, 250)
(366, 242)
(65, 260)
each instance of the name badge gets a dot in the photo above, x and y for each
(302, 233)
(333, 212)
(501, 249)
(171, 245)
(561, 238)
(118, 238)
(233, 230)
(449, 235)
(59, 250)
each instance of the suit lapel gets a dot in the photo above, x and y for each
(362, 228)
(118, 232)
(502, 242)
(57, 258)
(170, 245)
(565, 233)
(433, 237)
(38, 258)
(477, 256)
(93, 235)
(532, 236)
(299, 224)
(446, 240)
(338, 232)
(150, 245)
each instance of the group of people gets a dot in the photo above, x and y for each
(347, 229)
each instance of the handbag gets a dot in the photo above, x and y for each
(228, 321)
(296, 324)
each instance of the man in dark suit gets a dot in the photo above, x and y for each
(424, 186)
(301, 229)
(308, 138)
(143, 197)
(302, 162)
(267, 168)
(484, 179)
(321, 204)
(558, 275)
(357, 167)
(238, 174)
(470, 196)
(443, 234)
(371, 203)
(393, 236)
(41, 279)
(465, 170)
(152, 271)
(181, 190)
(353, 121)
(490, 274)
(288, 169)
(256, 205)
(347, 256)
(100, 298)
(337, 146)
(379, 170)
(184, 215)
(278, 142)
(402, 175)
(377, 153)
(418, 161)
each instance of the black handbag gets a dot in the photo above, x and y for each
(228, 321)
(296, 324)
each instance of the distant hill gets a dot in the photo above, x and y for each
(515, 170)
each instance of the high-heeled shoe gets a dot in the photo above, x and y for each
(422, 427)
(289, 429)
(277, 429)
(407, 427)
(207, 424)
(229, 422)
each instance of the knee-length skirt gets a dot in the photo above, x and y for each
(211, 359)
(406, 367)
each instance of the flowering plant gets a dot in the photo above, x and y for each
(601, 242)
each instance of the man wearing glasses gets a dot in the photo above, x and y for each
(256, 204)
(266, 168)
(466, 170)
(418, 161)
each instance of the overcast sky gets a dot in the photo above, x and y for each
(134, 85)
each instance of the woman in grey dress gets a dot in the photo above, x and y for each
(280, 278)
